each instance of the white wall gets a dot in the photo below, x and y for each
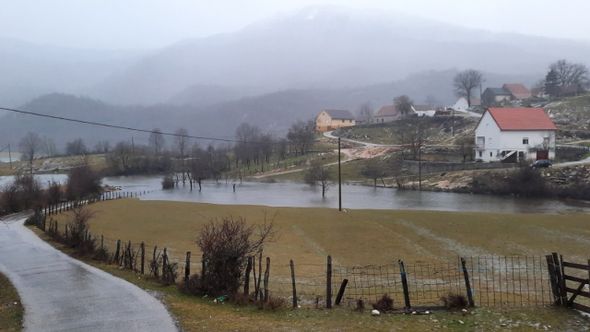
(497, 141)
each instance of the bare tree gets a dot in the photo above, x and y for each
(465, 82)
(574, 75)
(318, 174)
(374, 169)
(156, 141)
(49, 148)
(30, 145)
(365, 113)
(403, 104)
(412, 135)
(181, 141)
(76, 147)
(102, 147)
(301, 135)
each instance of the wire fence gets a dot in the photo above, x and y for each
(488, 281)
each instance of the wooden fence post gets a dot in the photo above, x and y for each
(247, 277)
(117, 251)
(563, 285)
(341, 291)
(555, 289)
(187, 267)
(266, 276)
(259, 290)
(292, 265)
(142, 248)
(402, 271)
(329, 283)
(467, 284)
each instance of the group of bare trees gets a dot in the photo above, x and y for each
(565, 78)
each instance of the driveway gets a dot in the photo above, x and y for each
(330, 134)
(60, 293)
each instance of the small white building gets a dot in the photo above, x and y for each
(514, 134)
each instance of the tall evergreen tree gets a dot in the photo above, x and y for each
(552, 87)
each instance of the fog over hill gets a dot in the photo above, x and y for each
(330, 47)
(272, 112)
(28, 70)
(270, 73)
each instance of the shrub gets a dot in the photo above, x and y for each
(226, 245)
(454, 301)
(78, 231)
(241, 299)
(82, 183)
(384, 304)
(22, 194)
(192, 286)
(168, 182)
(53, 194)
(272, 303)
(360, 305)
(169, 273)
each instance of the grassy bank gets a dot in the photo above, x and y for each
(11, 309)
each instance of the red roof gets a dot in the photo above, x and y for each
(518, 90)
(388, 110)
(522, 118)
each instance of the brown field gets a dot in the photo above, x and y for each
(354, 237)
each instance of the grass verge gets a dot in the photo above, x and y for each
(11, 309)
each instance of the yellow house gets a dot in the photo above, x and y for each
(333, 119)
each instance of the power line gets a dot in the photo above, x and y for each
(108, 125)
(113, 126)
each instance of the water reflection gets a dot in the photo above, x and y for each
(288, 194)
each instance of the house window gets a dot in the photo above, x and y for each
(490, 154)
(480, 153)
(525, 141)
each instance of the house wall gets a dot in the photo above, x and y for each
(497, 141)
(384, 119)
(324, 122)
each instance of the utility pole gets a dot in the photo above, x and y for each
(453, 122)
(9, 156)
(132, 145)
(420, 160)
(339, 179)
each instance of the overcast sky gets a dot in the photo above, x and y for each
(138, 24)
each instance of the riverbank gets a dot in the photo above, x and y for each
(11, 308)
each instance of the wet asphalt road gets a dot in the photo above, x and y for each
(62, 294)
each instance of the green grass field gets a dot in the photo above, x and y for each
(11, 309)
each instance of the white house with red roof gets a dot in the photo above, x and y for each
(514, 134)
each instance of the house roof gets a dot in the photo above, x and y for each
(423, 108)
(518, 90)
(522, 118)
(340, 114)
(388, 110)
(498, 91)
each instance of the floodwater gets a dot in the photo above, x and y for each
(44, 179)
(5, 157)
(289, 194)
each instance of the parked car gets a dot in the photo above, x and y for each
(543, 163)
